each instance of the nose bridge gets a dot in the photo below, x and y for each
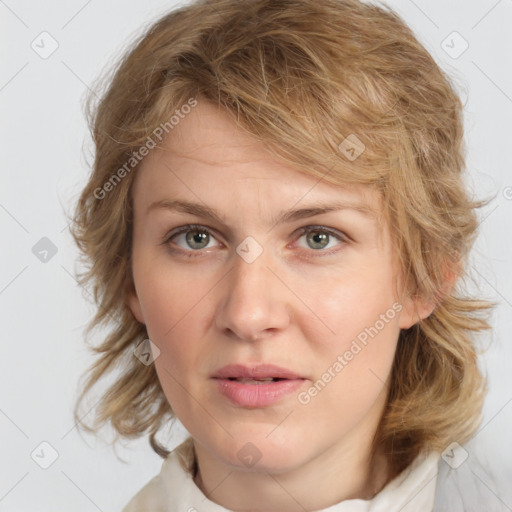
(254, 298)
(251, 269)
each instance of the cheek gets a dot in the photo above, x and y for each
(169, 299)
(353, 377)
(356, 340)
(342, 308)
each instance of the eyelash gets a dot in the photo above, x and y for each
(303, 231)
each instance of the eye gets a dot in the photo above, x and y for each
(318, 238)
(192, 236)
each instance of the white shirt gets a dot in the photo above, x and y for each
(174, 490)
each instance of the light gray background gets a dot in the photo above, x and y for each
(44, 144)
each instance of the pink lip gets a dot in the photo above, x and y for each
(256, 395)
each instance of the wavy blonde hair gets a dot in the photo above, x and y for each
(299, 76)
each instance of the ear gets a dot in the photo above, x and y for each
(417, 308)
(133, 303)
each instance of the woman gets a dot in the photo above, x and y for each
(277, 224)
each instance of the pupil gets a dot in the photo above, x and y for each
(196, 237)
(318, 238)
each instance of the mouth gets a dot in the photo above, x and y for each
(256, 386)
(256, 373)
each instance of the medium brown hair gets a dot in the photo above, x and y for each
(300, 76)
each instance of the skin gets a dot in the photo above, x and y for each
(294, 306)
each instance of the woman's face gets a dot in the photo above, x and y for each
(268, 280)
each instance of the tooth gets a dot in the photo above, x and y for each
(267, 379)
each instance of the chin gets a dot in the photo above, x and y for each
(257, 452)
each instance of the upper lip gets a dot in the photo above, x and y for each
(259, 371)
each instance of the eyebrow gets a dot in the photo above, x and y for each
(201, 210)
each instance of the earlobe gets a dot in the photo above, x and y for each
(414, 310)
(417, 308)
(133, 303)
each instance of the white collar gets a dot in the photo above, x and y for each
(174, 489)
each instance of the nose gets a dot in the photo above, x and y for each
(255, 301)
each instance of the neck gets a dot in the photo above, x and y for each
(336, 475)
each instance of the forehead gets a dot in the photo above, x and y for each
(207, 154)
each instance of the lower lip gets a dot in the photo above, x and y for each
(257, 395)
